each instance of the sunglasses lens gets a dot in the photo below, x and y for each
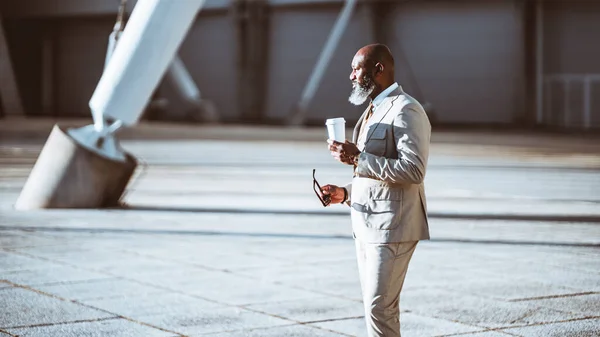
(325, 199)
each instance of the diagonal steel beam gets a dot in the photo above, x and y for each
(298, 115)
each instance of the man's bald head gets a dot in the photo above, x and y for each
(372, 72)
(377, 53)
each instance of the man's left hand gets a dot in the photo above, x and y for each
(343, 152)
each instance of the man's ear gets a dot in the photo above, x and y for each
(378, 68)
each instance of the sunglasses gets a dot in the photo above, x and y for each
(325, 199)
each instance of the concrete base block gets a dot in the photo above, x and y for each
(67, 175)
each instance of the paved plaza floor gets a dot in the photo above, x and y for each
(223, 236)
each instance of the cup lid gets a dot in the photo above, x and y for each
(335, 120)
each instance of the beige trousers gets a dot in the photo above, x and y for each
(382, 268)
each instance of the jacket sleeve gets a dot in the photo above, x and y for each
(348, 188)
(412, 133)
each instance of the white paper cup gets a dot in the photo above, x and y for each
(336, 128)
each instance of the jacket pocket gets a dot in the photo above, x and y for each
(377, 141)
(384, 208)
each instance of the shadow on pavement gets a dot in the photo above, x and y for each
(277, 235)
(433, 215)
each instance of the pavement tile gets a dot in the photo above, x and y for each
(56, 274)
(410, 325)
(75, 248)
(478, 311)
(486, 334)
(501, 230)
(8, 236)
(167, 251)
(5, 284)
(177, 277)
(14, 262)
(319, 252)
(109, 261)
(22, 307)
(352, 326)
(313, 309)
(96, 240)
(231, 260)
(347, 286)
(579, 328)
(584, 304)
(287, 331)
(186, 277)
(71, 255)
(209, 320)
(576, 258)
(106, 328)
(115, 262)
(107, 288)
(501, 289)
(427, 276)
(234, 289)
(20, 239)
(338, 278)
(422, 326)
(560, 276)
(164, 303)
(295, 271)
(133, 267)
(587, 264)
(455, 256)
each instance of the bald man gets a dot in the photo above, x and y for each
(389, 153)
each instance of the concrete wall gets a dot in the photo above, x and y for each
(80, 53)
(466, 56)
(24, 40)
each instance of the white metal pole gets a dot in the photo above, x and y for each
(145, 50)
(116, 33)
(183, 81)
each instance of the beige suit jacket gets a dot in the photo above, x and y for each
(387, 194)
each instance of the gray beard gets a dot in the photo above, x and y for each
(360, 93)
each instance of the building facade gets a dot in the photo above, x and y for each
(523, 63)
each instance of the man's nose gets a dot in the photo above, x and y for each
(352, 76)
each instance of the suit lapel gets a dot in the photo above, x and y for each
(378, 115)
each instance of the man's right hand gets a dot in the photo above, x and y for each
(336, 192)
